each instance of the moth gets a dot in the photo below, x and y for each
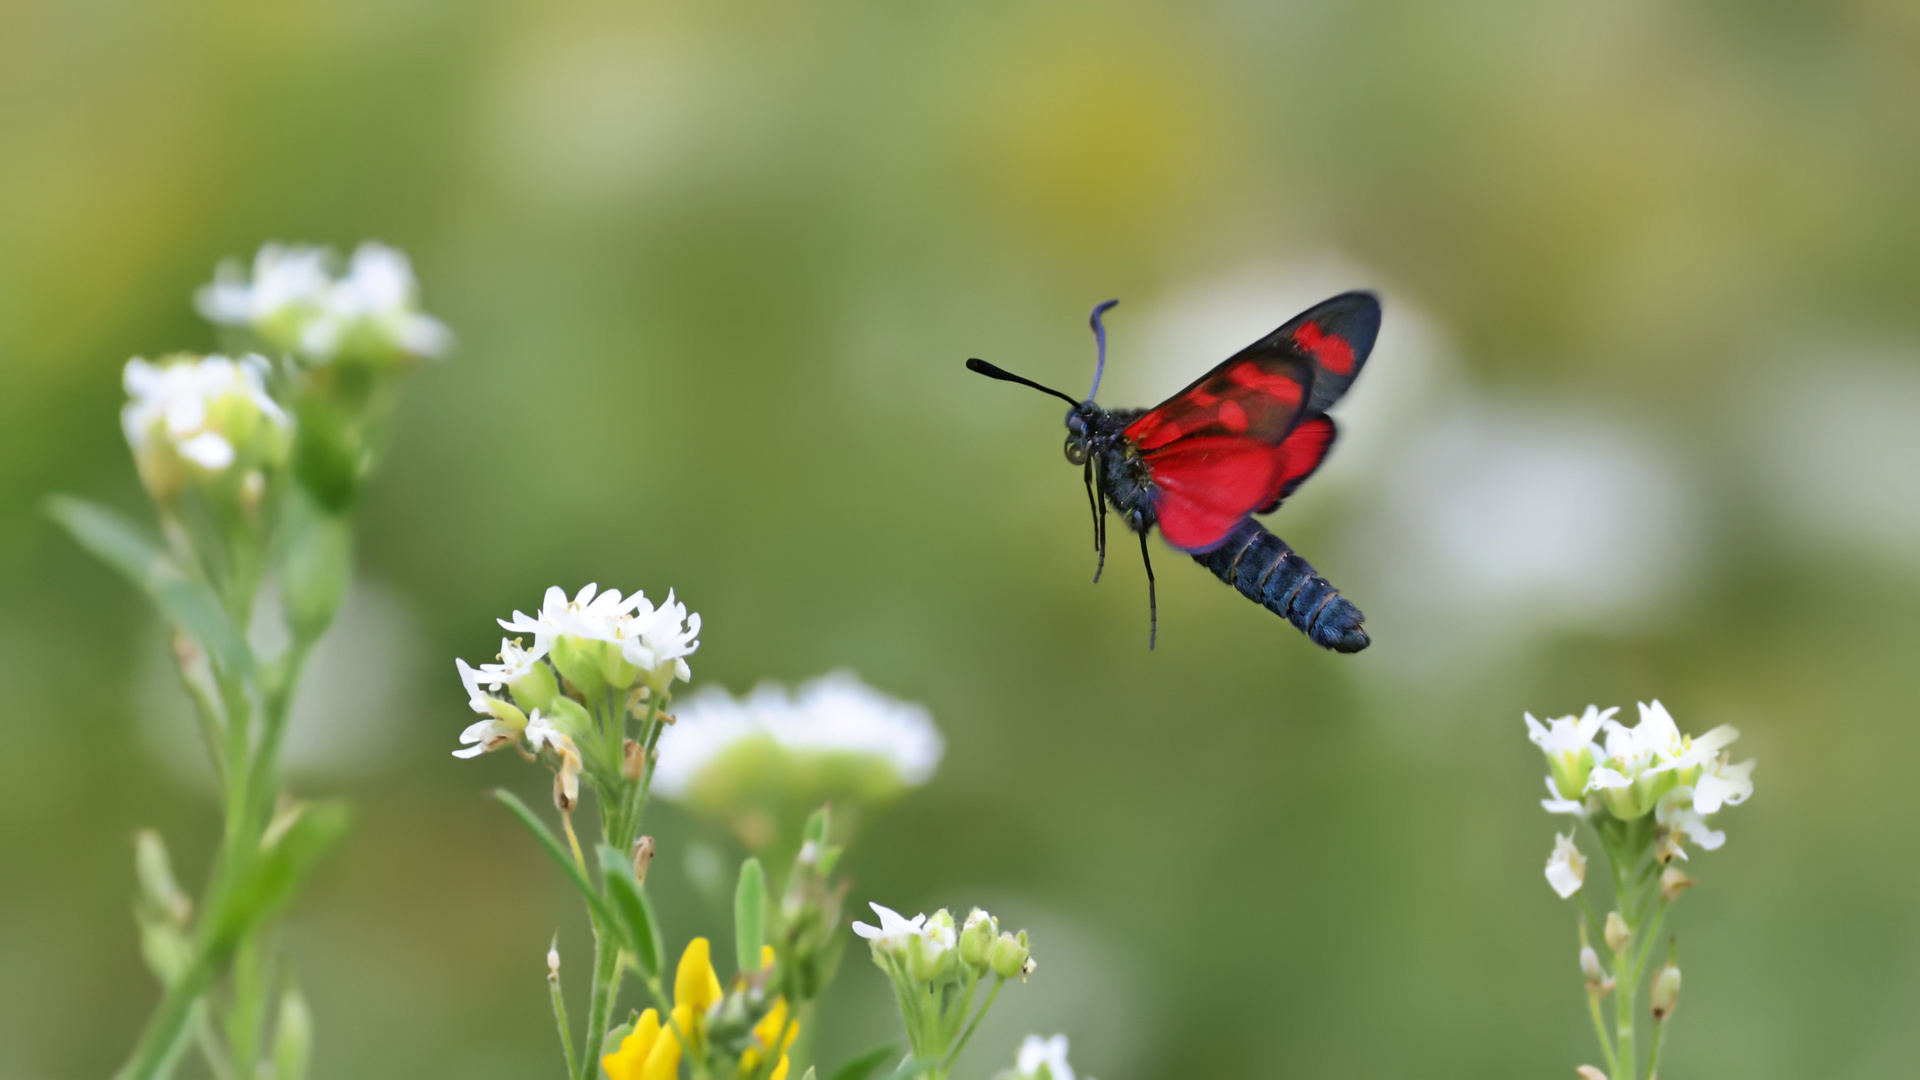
(1234, 443)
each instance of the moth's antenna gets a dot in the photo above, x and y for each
(1153, 603)
(1100, 339)
(991, 372)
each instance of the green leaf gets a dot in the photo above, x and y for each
(750, 916)
(909, 1066)
(636, 915)
(551, 846)
(816, 828)
(273, 878)
(611, 1044)
(190, 604)
(861, 1067)
(292, 1038)
(316, 563)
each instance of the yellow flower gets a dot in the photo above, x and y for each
(649, 1053)
(773, 1033)
(695, 985)
(652, 1052)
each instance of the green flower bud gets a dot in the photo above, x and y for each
(536, 689)
(570, 718)
(931, 956)
(579, 660)
(1010, 955)
(1666, 991)
(1617, 934)
(976, 938)
(158, 888)
(504, 712)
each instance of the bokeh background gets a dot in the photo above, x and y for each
(1644, 421)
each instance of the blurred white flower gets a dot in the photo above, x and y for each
(1043, 1059)
(285, 280)
(205, 411)
(1566, 867)
(834, 716)
(1554, 804)
(294, 301)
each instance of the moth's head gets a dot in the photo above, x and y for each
(1080, 432)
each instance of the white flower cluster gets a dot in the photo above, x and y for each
(205, 412)
(294, 301)
(654, 641)
(599, 642)
(1650, 768)
(835, 714)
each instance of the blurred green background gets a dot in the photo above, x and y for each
(1645, 421)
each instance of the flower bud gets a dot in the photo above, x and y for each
(1673, 882)
(1590, 964)
(1009, 955)
(553, 960)
(1617, 934)
(1588, 1072)
(976, 938)
(1666, 991)
(157, 885)
(931, 956)
(642, 858)
(536, 689)
(579, 660)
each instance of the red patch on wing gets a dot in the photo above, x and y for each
(1256, 397)
(1299, 456)
(1206, 484)
(1331, 350)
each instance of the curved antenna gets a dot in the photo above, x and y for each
(1100, 339)
(992, 372)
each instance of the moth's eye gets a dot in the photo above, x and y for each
(1076, 451)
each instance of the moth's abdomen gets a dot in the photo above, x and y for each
(1269, 573)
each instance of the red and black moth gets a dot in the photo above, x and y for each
(1235, 443)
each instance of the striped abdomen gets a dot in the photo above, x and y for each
(1273, 575)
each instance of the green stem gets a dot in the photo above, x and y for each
(606, 982)
(1653, 1055)
(954, 1054)
(1600, 1029)
(159, 1039)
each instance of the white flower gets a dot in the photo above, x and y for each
(1723, 785)
(1568, 735)
(284, 279)
(1566, 867)
(835, 714)
(1554, 804)
(1568, 744)
(208, 411)
(484, 735)
(1037, 1054)
(658, 640)
(1684, 822)
(894, 931)
(294, 301)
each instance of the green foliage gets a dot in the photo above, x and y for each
(634, 915)
(186, 602)
(749, 915)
